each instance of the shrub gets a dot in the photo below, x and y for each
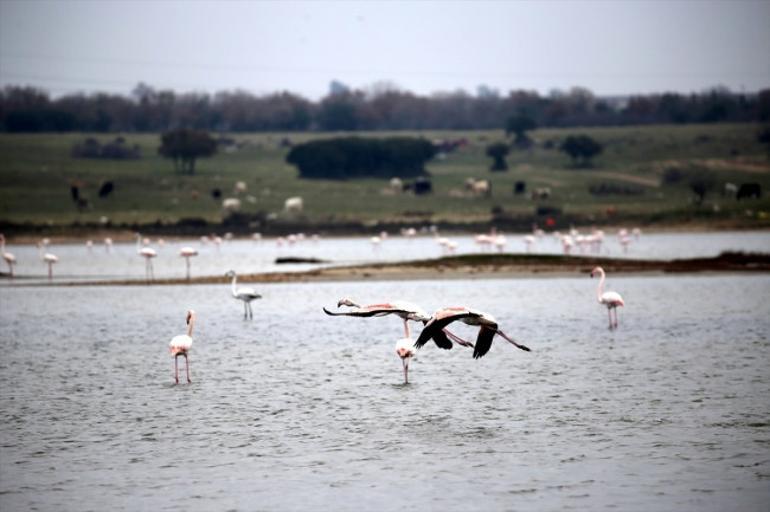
(356, 157)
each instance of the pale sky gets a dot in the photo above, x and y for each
(610, 47)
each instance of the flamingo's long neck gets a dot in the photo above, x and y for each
(406, 328)
(235, 278)
(138, 244)
(190, 325)
(600, 288)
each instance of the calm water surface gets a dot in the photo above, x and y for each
(296, 410)
(76, 262)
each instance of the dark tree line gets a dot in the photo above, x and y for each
(26, 109)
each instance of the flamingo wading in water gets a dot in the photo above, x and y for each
(148, 254)
(180, 346)
(243, 294)
(406, 311)
(9, 258)
(187, 253)
(486, 322)
(609, 299)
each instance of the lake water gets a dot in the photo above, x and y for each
(300, 411)
(76, 262)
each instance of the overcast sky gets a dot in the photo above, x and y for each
(610, 47)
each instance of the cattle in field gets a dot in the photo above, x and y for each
(749, 191)
(541, 193)
(293, 205)
(478, 187)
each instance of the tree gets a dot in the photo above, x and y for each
(357, 157)
(184, 146)
(498, 151)
(581, 148)
(519, 125)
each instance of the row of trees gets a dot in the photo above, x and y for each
(25, 109)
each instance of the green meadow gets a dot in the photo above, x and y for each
(37, 170)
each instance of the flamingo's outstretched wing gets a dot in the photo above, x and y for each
(483, 342)
(441, 340)
(361, 312)
(437, 324)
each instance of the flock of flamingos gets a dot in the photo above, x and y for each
(435, 327)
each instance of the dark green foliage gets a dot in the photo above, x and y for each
(184, 146)
(581, 148)
(356, 157)
(118, 149)
(498, 151)
(519, 125)
(763, 137)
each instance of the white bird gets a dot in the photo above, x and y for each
(243, 294)
(9, 258)
(609, 299)
(180, 346)
(406, 311)
(187, 253)
(148, 254)
(48, 258)
(487, 323)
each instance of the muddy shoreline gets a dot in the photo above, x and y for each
(473, 266)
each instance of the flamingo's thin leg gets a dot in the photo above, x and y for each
(609, 312)
(405, 362)
(187, 367)
(176, 368)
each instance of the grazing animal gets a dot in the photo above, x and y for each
(293, 205)
(487, 331)
(749, 191)
(180, 346)
(612, 300)
(106, 189)
(231, 204)
(246, 295)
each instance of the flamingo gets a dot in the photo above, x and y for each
(9, 258)
(486, 322)
(610, 299)
(406, 311)
(187, 253)
(148, 254)
(243, 294)
(48, 258)
(180, 346)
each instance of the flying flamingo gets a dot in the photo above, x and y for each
(406, 311)
(9, 258)
(610, 299)
(180, 345)
(187, 253)
(487, 323)
(243, 294)
(148, 254)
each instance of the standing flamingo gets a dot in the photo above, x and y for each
(610, 299)
(187, 253)
(148, 254)
(488, 328)
(180, 346)
(406, 311)
(9, 258)
(243, 294)
(48, 258)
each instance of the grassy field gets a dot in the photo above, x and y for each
(36, 172)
